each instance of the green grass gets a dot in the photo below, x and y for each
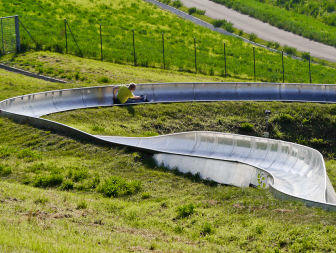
(313, 19)
(172, 212)
(44, 19)
(84, 72)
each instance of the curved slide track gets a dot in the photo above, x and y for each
(289, 170)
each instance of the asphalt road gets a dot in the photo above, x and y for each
(263, 30)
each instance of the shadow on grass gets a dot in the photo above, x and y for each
(130, 109)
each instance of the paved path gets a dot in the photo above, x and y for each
(263, 30)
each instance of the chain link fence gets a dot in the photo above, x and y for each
(10, 36)
(152, 47)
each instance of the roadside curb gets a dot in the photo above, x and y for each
(27, 73)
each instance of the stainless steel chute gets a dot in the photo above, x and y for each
(290, 170)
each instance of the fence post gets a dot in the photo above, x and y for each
(101, 42)
(195, 55)
(3, 44)
(225, 60)
(134, 56)
(310, 77)
(66, 36)
(254, 64)
(283, 67)
(163, 52)
(17, 34)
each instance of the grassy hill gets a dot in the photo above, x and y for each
(313, 19)
(52, 187)
(45, 21)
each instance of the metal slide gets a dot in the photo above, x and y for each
(290, 170)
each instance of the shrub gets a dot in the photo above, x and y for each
(177, 4)
(45, 181)
(67, 185)
(5, 152)
(116, 186)
(228, 26)
(306, 55)
(246, 127)
(28, 154)
(81, 205)
(166, 1)
(284, 118)
(200, 12)
(185, 211)
(93, 182)
(145, 195)
(98, 129)
(207, 229)
(290, 50)
(5, 171)
(252, 37)
(192, 10)
(317, 143)
(79, 175)
(41, 200)
(103, 79)
(218, 22)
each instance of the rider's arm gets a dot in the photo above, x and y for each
(136, 97)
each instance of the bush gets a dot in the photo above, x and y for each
(166, 1)
(5, 152)
(79, 175)
(93, 182)
(200, 12)
(28, 154)
(67, 185)
(207, 229)
(116, 186)
(246, 127)
(228, 26)
(185, 211)
(81, 205)
(41, 200)
(145, 195)
(192, 10)
(252, 37)
(306, 55)
(177, 4)
(103, 79)
(5, 171)
(218, 22)
(290, 50)
(45, 181)
(284, 119)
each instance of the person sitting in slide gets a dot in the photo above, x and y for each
(125, 94)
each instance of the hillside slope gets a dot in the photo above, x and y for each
(51, 192)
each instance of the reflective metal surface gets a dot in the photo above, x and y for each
(292, 170)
